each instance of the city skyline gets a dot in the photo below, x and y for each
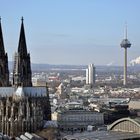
(72, 32)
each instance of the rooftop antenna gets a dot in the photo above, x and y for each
(125, 30)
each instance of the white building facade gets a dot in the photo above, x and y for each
(90, 75)
(77, 119)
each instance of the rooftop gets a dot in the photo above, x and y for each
(102, 135)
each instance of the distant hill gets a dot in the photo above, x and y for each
(43, 67)
(107, 69)
(56, 67)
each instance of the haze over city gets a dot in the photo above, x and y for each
(69, 70)
(72, 32)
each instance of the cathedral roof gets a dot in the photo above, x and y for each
(19, 92)
(23, 91)
(6, 91)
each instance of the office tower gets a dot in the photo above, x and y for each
(125, 44)
(90, 75)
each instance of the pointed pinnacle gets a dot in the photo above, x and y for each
(22, 18)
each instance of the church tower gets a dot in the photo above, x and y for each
(22, 65)
(4, 72)
(23, 108)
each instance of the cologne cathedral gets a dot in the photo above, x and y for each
(23, 108)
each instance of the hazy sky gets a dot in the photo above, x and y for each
(72, 31)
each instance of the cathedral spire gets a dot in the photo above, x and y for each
(22, 65)
(2, 51)
(4, 72)
(22, 48)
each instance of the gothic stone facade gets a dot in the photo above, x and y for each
(23, 108)
(21, 116)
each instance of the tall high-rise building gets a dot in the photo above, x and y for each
(125, 44)
(90, 75)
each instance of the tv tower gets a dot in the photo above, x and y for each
(125, 44)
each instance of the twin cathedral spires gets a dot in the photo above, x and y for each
(23, 108)
(22, 65)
